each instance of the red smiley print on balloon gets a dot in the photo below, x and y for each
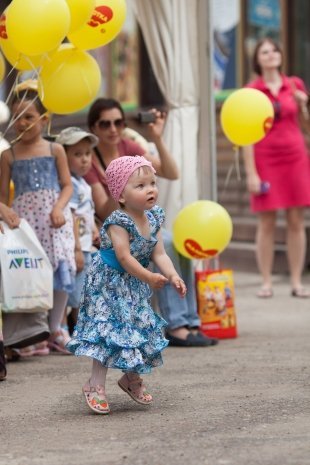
(196, 251)
(3, 33)
(102, 14)
(268, 124)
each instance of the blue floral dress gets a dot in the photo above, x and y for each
(116, 324)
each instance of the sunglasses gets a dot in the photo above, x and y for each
(106, 123)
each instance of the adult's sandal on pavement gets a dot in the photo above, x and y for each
(192, 340)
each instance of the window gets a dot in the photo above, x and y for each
(263, 18)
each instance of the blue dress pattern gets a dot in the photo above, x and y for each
(116, 324)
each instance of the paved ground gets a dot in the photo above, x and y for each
(243, 402)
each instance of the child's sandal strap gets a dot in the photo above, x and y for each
(135, 389)
(96, 399)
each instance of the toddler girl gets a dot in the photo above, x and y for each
(116, 326)
(42, 182)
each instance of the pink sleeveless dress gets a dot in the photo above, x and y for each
(281, 157)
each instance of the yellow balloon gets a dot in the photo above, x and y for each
(80, 12)
(106, 22)
(19, 60)
(69, 81)
(37, 26)
(202, 230)
(246, 116)
(15, 58)
(2, 67)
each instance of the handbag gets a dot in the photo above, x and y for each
(303, 116)
(26, 283)
(216, 303)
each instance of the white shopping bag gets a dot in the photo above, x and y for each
(26, 272)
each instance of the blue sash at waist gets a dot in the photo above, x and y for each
(108, 257)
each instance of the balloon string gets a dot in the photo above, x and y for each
(6, 78)
(235, 164)
(14, 119)
(12, 88)
(29, 127)
(49, 127)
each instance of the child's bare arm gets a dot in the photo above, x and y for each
(57, 216)
(120, 240)
(9, 217)
(5, 177)
(79, 257)
(164, 263)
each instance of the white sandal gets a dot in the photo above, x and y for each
(96, 399)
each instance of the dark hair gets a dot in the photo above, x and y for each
(28, 95)
(99, 105)
(256, 66)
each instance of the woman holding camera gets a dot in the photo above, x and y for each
(279, 161)
(106, 120)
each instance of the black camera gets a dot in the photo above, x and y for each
(146, 117)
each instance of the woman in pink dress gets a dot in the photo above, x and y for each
(281, 160)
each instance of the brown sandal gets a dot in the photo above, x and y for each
(135, 389)
(96, 399)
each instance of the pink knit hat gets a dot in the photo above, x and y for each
(119, 171)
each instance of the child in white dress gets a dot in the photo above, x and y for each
(42, 190)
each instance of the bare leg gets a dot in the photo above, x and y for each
(98, 374)
(296, 245)
(57, 341)
(265, 246)
(57, 312)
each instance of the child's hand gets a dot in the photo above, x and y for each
(57, 217)
(157, 281)
(96, 236)
(9, 217)
(79, 260)
(178, 284)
